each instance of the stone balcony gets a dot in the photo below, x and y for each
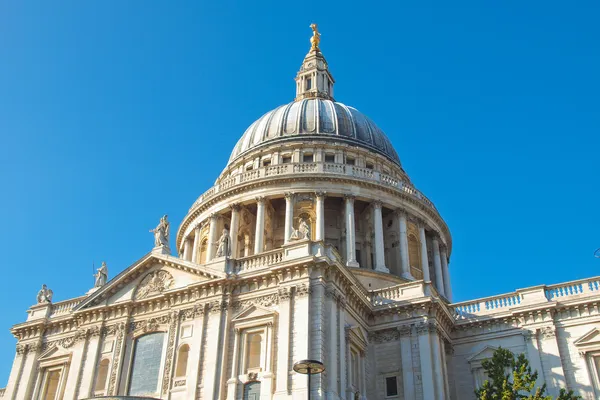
(329, 170)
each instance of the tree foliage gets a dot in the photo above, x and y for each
(511, 378)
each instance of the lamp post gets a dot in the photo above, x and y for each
(309, 367)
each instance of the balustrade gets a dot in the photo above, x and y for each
(258, 261)
(64, 307)
(314, 167)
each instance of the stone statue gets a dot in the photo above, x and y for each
(161, 233)
(101, 276)
(303, 231)
(316, 37)
(224, 248)
(44, 295)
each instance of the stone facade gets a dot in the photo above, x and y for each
(313, 244)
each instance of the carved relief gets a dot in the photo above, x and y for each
(548, 332)
(119, 329)
(303, 290)
(170, 351)
(154, 283)
(387, 335)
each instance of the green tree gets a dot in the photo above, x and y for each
(511, 378)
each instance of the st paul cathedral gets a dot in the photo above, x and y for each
(314, 244)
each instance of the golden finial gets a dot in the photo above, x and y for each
(316, 37)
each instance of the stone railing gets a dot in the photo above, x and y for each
(314, 168)
(65, 307)
(573, 290)
(258, 261)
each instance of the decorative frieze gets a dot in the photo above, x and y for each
(384, 336)
(119, 330)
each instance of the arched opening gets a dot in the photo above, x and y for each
(203, 250)
(414, 257)
(102, 375)
(182, 361)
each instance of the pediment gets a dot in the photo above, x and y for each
(54, 355)
(483, 354)
(153, 275)
(590, 339)
(253, 314)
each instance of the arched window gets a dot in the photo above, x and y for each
(182, 360)
(203, 249)
(414, 257)
(101, 376)
(145, 367)
(254, 349)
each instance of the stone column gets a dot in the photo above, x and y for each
(403, 235)
(332, 370)
(406, 359)
(424, 257)
(283, 345)
(289, 216)
(427, 378)
(232, 383)
(446, 272)
(550, 357)
(350, 233)
(320, 212)
(187, 249)
(259, 234)
(212, 237)
(196, 245)
(379, 246)
(437, 263)
(534, 355)
(438, 368)
(233, 231)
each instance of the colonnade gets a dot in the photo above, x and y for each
(438, 250)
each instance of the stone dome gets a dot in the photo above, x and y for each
(316, 118)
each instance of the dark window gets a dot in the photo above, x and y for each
(307, 158)
(370, 165)
(391, 387)
(249, 168)
(330, 158)
(286, 160)
(357, 255)
(266, 163)
(349, 160)
(308, 84)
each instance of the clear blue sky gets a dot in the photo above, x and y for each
(114, 113)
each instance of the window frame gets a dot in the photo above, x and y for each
(132, 346)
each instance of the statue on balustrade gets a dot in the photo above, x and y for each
(224, 249)
(44, 295)
(303, 231)
(101, 276)
(161, 233)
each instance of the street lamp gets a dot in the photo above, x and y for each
(309, 367)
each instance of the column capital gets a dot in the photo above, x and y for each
(260, 199)
(289, 195)
(349, 197)
(320, 194)
(213, 215)
(400, 212)
(377, 204)
(421, 223)
(435, 237)
(235, 207)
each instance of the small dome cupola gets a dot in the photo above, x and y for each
(313, 79)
